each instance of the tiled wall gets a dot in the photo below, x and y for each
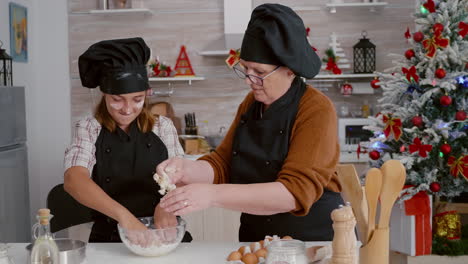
(196, 24)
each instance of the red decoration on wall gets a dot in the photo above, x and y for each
(183, 66)
(407, 33)
(418, 146)
(346, 89)
(458, 166)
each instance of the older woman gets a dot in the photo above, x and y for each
(277, 161)
(110, 164)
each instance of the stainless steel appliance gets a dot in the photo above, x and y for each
(350, 134)
(15, 225)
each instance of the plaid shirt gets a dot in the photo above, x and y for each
(82, 151)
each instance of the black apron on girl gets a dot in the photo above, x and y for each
(125, 164)
(260, 146)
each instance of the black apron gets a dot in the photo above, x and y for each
(125, 164)
(260, 146)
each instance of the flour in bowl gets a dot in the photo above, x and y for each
(152, 251)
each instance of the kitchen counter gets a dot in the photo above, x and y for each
(115, 253)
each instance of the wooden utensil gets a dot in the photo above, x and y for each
(352, 192)
(393, 180)
(372, 190)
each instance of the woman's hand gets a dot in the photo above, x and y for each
(189, 198)
(164, 219)
(174, 168)
(133, 229)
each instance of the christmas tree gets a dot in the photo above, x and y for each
(423, 121)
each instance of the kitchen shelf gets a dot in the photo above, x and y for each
(372, 6)
(343, 76)
(143, 11)
(176, 79)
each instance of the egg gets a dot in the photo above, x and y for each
(287, 238)
(255, 246)
(250, 258)
(244, 250)
(261, 253)
(261, 243)
(235, 255)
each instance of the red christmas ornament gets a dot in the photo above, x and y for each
(417, 121)
(438, 28)
(446, 149)
(374, 155)
(375, 83)
(409, 54)
(407, 33)
(418, 36)
(440, 73)
(460, 115)
(346, 89)
(445, 100)
(435, 187)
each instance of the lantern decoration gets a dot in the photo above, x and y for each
(364, 55)
(6, 68)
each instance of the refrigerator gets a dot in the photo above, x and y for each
(15, 224)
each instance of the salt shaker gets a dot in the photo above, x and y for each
(344, 240)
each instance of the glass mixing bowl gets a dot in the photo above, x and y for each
(153, 241)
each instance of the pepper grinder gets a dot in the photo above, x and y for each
(344, 241)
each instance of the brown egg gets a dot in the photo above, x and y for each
(287, 238)
(261, 253)
(261, 243)
(254, 246)
(244, 250)
(235, 255)
(250, 258)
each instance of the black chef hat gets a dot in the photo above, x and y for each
(276, 35)
(117, 66)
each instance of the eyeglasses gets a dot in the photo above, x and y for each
(257, 80)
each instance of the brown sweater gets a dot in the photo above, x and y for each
(313, 151)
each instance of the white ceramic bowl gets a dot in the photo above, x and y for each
(153, 241)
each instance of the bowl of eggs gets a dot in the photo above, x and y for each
(153, 241)
(255, 253)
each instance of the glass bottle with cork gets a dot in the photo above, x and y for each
(45, 250)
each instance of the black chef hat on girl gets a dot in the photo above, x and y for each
(117, 66)
(276, 35)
